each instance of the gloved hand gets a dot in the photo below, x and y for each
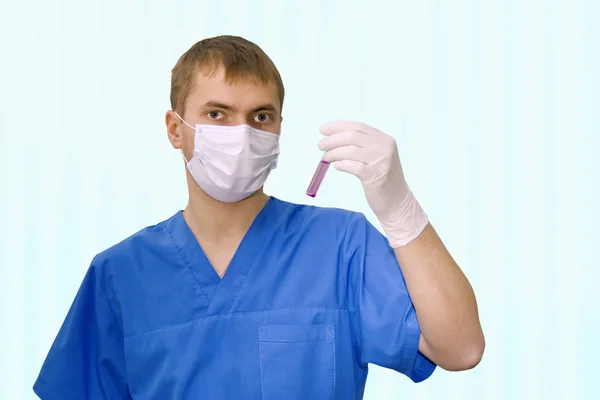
(372, 156)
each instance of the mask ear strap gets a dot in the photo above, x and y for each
(183, 156)
(183, 120)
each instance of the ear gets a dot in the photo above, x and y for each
(173, 122)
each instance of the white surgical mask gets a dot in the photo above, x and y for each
(230, 163)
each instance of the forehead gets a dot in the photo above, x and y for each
(244, 93)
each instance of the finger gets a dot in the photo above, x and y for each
(355, 168)
(345, 138)
(352, 153)
(339, 126)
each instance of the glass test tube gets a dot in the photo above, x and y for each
(317, 178)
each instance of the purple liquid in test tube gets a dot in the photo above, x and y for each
(317, 178)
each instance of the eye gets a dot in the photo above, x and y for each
(262, 118)
(214, 115)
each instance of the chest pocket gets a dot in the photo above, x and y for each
(297, 361)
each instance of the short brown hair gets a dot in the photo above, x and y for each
(240, 58)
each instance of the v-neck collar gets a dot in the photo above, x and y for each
(221, 293)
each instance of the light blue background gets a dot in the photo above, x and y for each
(494, 105)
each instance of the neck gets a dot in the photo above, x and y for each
(212, 220)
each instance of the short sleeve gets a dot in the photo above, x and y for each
(388, 329)
(86, 360)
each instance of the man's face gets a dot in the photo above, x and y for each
(214, 101)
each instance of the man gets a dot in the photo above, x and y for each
(245, 296)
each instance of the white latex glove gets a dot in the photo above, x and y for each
(372, 156)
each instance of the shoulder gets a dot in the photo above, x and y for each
(354, 227)
(127, 270)
(310, 214)
(346, 228)
(141, 244)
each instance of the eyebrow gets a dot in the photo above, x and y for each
(222, 106)
(265, 107)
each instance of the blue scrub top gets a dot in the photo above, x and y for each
(311, 297)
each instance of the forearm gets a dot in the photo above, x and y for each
(444, 302)
(443, 298)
